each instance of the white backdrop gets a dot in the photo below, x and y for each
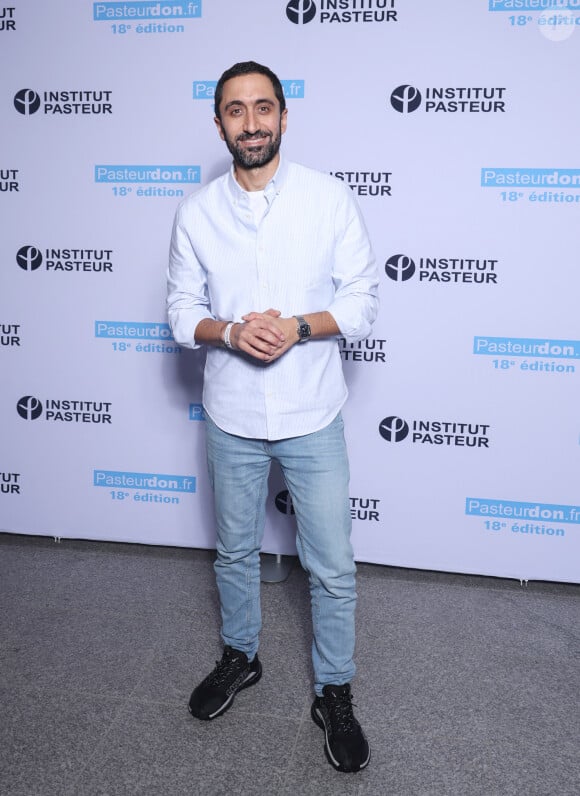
(455, 123)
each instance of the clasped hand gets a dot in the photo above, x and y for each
(264, 335)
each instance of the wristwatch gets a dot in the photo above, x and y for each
(303, 329)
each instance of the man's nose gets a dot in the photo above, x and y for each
(251, 122)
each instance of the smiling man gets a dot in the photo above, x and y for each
(269, 265)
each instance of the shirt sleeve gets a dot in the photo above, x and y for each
(187, 294)
(355, 304)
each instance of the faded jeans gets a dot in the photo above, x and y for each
(315, 468)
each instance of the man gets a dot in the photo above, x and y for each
(269, 264)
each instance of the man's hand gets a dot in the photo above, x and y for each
(264, 335)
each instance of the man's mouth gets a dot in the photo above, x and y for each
(254, 141)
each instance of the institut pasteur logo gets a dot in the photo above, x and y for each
(341, 12)
(57, 102)
(441, 433)
(449, 99)
(67, 410)
(67, 259)
(444, 270)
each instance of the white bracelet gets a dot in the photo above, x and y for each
(227, 332)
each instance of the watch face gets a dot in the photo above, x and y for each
(304, 330)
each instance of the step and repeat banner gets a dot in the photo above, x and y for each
(454, 122)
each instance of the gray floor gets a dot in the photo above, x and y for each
(466, 685)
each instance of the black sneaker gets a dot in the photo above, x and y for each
(214, 695)
(346, 747)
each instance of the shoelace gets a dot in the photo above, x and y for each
(223, 669)
(340, 707)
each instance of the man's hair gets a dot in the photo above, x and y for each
(248, 68)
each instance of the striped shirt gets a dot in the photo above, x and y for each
(310, 252)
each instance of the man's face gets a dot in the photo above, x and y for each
(251, 123)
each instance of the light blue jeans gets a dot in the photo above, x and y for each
(316, 471)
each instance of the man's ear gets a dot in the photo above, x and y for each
(220, 129)
(284, 120)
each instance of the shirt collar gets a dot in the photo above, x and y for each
(271, 190)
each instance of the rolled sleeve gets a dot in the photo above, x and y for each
(187, 294)
(355, 304)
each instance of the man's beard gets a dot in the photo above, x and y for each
(245, 158)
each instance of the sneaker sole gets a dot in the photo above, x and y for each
(251, 679)
(318, 719)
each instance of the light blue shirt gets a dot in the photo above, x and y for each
(309, 253)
